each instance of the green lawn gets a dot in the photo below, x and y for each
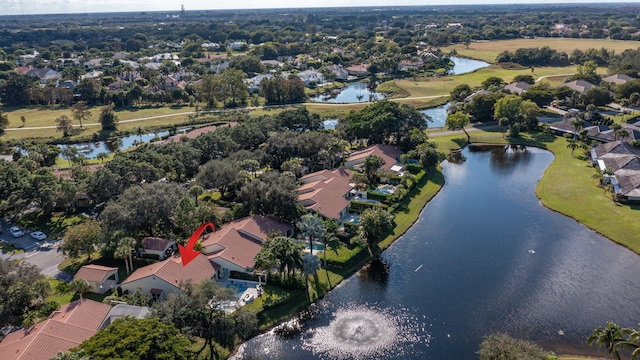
(489, 50)
(444, 85)
(54, 227)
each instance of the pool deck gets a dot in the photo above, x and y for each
(251, 289)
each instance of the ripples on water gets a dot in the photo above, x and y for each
(359, 331)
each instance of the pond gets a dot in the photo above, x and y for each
(354, 93)
(463, 65)
(92, 149)
(485, 256)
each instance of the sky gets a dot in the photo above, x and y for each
(10, 7)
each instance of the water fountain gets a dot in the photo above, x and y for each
(355, 334)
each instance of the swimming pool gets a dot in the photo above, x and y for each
(385, 189)
(238, 288)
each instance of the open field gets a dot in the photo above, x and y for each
(444, 85)
(488, 50)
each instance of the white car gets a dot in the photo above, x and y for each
(16, 232)
(38, 235)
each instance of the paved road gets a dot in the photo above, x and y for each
(47, 260)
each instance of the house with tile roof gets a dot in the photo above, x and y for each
(388, 153)
(158, 247)
(358, 70)
(65, 329)
(168, 276)
(234, 246)
(326, 192)
(99, 278)
(469, 98)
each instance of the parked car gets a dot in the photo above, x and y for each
(16, 232)
(38, 235)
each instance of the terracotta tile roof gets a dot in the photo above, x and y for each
(65, 329)
(95, 273)
(387, 152)
(327, 203)
(255, 226)
(172, 271)
(340, 172)
(195, 133)
(155, 243)
(238, 248)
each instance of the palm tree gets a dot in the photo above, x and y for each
(310, 265)
(196, 191)
(312, 228)
(608, 336)
(41, 289)
(572, 144)
(616, 129)
(79, 286)
(140, 132)
(123, 251)
(331, 241)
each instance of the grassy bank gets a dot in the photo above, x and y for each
(567, 187)
(327, 278)
(488, 50)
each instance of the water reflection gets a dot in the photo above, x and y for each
(376, 271)
(355, 93)
(484, 257)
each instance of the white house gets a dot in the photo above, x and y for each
(339, 72)
(166, 277)
(311, 77)
(99, 278)
(237, 45)
(158, 247)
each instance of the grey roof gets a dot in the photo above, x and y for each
(580, 85)
(122, 310)
(481, 92)
(517, 87)
(615, 148)
(618, 79)
(628, 182)
(566, 125)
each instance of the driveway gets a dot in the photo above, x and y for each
(47, 261)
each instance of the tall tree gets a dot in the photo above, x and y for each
(80, 112)
(132, 338)
(108, 118)
(371, 165)
(373, 225)
(199, 312)
(4, 121)
(458, 121)
(312, 228)
(83, 238)
(608, 336)
(64, 124)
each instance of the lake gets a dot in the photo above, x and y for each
(485, 256)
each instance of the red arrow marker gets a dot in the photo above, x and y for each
(187, 253)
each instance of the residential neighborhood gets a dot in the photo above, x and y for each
(357, 182)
